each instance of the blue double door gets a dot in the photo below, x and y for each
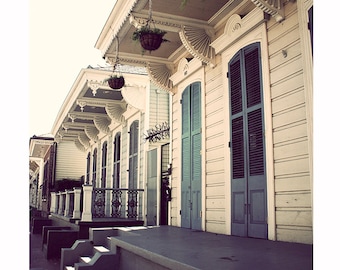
(248, 170)
(191, 184)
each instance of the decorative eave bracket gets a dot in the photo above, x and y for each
(271, 7)
(197, 43)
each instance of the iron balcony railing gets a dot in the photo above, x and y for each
(117, 203)
(90, 203)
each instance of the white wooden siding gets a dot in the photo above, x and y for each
(70, 162)
(176, 170)
(290, 137)
(215, 151)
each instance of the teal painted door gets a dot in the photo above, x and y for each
(191, 202)
(248, 183)
(152, 187)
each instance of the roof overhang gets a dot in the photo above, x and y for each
(92, 108)
(190, 29)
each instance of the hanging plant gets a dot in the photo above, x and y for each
(116, 80)
(150, 38)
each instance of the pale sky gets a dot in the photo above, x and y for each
(62, 36)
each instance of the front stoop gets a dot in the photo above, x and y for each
(94, 253)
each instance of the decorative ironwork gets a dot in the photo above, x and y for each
(98, 210)
(116, 203)
(158, 133)
(132, 204)
(125, 203)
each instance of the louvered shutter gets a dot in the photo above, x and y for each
(186, 160)
(196, 156)
(248, 183)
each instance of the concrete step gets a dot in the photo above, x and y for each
(85, 259)
(100, 249)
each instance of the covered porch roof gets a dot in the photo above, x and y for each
(92, 106)
(191, 28)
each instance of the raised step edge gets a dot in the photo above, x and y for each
(101, 249)
(85, 259)
(69, 268)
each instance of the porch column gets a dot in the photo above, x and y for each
(54, 207)
(61, 201)
(77, 198)
(87, 203)
(67, 203)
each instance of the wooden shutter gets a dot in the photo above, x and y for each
(186, 160)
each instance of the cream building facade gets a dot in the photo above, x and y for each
(240, 80)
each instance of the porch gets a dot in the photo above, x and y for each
(89, 206)
(167, 247)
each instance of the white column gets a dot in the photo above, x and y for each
(77, 198)
(87, 203)
(53, 207)
(67, 203)
(61, 201)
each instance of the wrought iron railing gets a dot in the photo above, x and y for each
(117, 203)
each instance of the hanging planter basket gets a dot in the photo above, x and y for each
(150, 41)
(150, 38)
(116, 82)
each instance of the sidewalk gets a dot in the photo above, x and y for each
(37, 258)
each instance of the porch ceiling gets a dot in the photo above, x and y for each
(39, 146)
(190, 30)
(91, 106)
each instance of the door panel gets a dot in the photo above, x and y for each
(191, 206)
(248, 184)
(152, 188)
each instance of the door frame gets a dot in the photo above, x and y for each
(259, 34)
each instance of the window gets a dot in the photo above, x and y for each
(104, 162)
(94, 167)
(116, 161)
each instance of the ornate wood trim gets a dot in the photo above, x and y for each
(160, 75)
(197, 42)
(271, 7)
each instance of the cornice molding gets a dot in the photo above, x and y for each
(165, 22)
(97, 102)
(237, 27)
(272, 7)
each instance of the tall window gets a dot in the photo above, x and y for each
(104, 162)
(133, 155)
(116, 161)
(94, 167)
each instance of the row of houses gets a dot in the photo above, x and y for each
(213, 131)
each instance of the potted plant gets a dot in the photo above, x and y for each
(116, 81)
(149, 38)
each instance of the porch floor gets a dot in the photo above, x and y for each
(203, 250)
